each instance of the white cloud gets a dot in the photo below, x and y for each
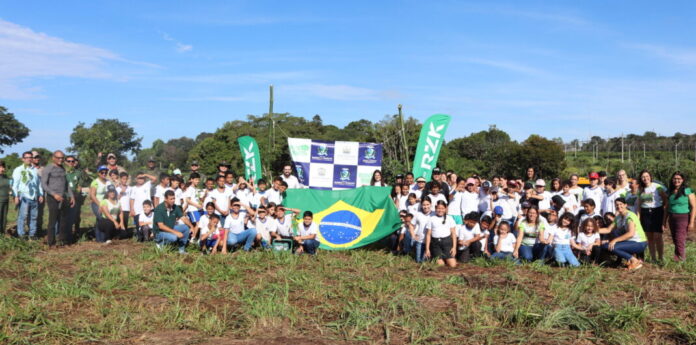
(680, 56)
(180, 47)
(27, 54)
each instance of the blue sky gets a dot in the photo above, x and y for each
(174, 68)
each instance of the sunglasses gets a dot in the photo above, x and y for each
(70, 161)
(236, 205)
(102, 173)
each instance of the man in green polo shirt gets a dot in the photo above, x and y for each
(77, 179)
(169, 224)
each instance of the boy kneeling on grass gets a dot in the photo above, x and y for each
(213, 236)
(306, 241)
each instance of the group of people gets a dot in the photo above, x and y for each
(452, 219)
(447, 218)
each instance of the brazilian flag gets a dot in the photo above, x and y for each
(348, 218)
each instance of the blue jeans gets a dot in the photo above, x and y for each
(31, 207)
(247, 237)
(564, 255)
(163, 237)
(626, 249)
(407, 243)
(531, 253)
(420, 248)
(502, 256)
(310, 246)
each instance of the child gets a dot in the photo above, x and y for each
(571, 201)
(175, 185)
(421, 220)
(162, 187)
(203, 221)
(123, 191)
(259, 191)
(264, 226)
(561, 239)
(406, 233)
(306, 240)
(413, 205)
(213, 236)
(587, 242)
(486, 224)
(590, 209)
(504, 242)
(283, 229)
(468, 238)
(435, 194)
(440, 237)
(403, 199)
(144, 232)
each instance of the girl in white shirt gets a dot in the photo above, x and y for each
(561, 238)
(504, 243)
(421, 220)
(588, 241)
(440, 237)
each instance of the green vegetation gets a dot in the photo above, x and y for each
(129, 292)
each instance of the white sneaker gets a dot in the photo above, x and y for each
(158, 246)
(108, 242)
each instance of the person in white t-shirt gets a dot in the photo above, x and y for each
(594, 191)
(123, 192)
(504, 243)
(284, 222)
(276, 193)
(561, 238)
(413, 205)
(221, 196)
(575, 189)
(454, 208)
(470, 199)
(289, 178)
(440, 237)
(403, 199)
(236, 223)
(203, 221)
(421, 219)
(258, 191)
(587, 242)
(542, 196)
(468, 238)
(611, 194)
(405, 233)
(306, 238)
(265, 225)
(435, 194)
(213, 236)
(137, 195)
(145, 221)
(571, 204)
(192, 198)
(162, 187)
(175, 185)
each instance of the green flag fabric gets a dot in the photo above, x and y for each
(251, 156)
(431, 137)
(350, 218)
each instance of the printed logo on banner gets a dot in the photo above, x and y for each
(322, 152)
(345, 176)
(302, 170)
(370, 154)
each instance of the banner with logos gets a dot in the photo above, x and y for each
(334, 165)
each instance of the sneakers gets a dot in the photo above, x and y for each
(159, 246)
(108, 242)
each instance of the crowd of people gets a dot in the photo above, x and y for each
(448, 219)
(452, 219)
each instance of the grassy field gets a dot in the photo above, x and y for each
(130, 293)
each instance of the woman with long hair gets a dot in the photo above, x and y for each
(650, 206)
(681, 213)
(377, 179)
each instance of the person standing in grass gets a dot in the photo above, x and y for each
(97, 191)
(4, 197)
(651, 202)
(111, 218)
(441, 236)
(76, 180)
(26, 187)
(306, 238)
(165, 227)
(630, 238)
(59, 197)
(681, 213)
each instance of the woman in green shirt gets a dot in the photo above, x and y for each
(681, 213)
(630, 238)
(112, 216)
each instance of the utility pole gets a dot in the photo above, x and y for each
(594, 153)
(622, 148)
(576, 148)
(643, 150)
(271, 131)
(403, 139)
(629, 151)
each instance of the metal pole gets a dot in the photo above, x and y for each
(271, 130)
(576, 148)
(403, 139)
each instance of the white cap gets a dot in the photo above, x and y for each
(540, 182)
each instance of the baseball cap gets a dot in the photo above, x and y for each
(512, 184)
(540, 182)
(110, 155)
(176, 172)
(594, 176)
(151, 159)
(436, 171)
(224, 164)
(110, 188)
(526, 204)
(498, 210)
(471, 180)
(102, 167)
(194, 163)
(487, 184)
(495, 189)
(420, 179)
(399, 175)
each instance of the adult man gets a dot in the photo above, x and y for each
(289, 178)
(152, 169)
(26, 187)
(38, 164)
(59, 198)
(195, 168)
(622, 182)
(166, 226)
(77, 179)
(223, 168)
(111, 163)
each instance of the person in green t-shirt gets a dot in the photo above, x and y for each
(630, 239)
(4, 197)
(77, 179)
(681, 213)
(169, 224)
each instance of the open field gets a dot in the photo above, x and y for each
(130, 293)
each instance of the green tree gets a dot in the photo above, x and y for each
(106, 136)
(11, 130)
(544, 155)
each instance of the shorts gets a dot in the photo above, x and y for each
(195, 216)
(441, 248)
(457, 219)
(651, 219)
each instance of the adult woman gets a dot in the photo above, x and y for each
(529, 231)
(650, 206)
(556, 188)
(678, 215)
(97, 190)
(376, 179)
(440, 236)
(629, 237)
(111, 216)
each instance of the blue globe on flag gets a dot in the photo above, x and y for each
(340, 227)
